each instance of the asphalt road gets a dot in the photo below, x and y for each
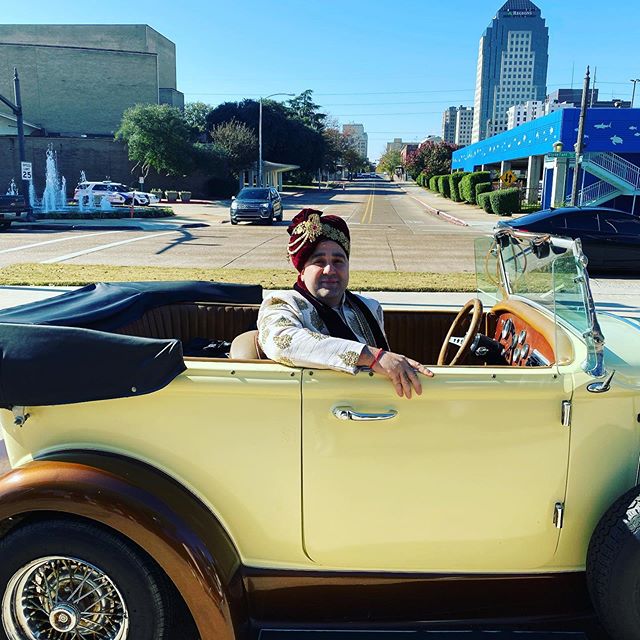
(391, 231)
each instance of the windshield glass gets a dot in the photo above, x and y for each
(551, 273)
(487, 270)
(253, 194)
(528, 266)
(569, 292)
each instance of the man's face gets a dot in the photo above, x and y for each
(326, 273)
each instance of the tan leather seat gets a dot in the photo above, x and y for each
(246, 347)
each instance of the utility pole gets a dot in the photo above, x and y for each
(580, 142)
(260, 133)
(17, 112)
(633, 94)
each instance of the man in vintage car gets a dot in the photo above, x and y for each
(321, 324)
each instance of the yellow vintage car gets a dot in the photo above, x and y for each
(149, 496)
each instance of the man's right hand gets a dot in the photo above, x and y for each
(401, 371)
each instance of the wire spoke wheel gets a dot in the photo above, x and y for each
(63, 598)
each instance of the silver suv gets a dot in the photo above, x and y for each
(260, 204)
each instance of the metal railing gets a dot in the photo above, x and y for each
(615, 165)
(596, 193)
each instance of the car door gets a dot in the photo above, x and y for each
(621, 234)
(277, 202)
(586, 226)
(464, 478)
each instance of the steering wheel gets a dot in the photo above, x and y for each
(473, 308)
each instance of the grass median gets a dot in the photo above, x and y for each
(34, 274)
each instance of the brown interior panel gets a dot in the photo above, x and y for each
(416, 334)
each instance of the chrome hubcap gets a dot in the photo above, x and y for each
(61, 598)
(63, 618)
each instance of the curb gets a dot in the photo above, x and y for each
(441, 214)
(114, 227)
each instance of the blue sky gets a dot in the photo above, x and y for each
(392, 66)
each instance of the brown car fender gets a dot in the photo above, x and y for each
(152, 510)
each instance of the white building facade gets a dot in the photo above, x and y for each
(464, 126)
(358, 136)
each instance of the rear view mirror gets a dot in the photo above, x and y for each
(540, 250)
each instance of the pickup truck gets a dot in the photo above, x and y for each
(150, 493)
(12, 208)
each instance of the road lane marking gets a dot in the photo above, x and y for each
(104, 246)
(40, 244)
(368, 210)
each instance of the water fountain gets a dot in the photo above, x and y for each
(54, 197)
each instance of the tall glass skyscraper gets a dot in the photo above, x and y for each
(512, 65)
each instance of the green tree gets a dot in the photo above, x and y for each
(285, 138)
(389, 161)
(353, 160)
(195, 117)
(306, 110)
(157, 137)
(237, 142)
(431, 159)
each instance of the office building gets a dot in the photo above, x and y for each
(449, 124)
(464, 126)
(512, 65)
(360, 140)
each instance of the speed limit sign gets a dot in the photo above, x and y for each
(26, 169)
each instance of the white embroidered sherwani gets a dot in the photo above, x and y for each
(290, 331)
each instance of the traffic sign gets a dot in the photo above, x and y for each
(27, 170)
(562, 154)
(508, 178)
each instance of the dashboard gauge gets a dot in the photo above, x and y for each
(524, 352)
(507, 329)
(522, 336)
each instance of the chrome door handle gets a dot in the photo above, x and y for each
(347, 413)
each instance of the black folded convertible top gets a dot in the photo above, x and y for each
(60, 351)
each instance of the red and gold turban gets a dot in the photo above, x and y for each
(309, 228)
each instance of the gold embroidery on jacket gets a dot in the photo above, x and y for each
(282, 342)
(350, 358)
(316, 321)
(315, 335)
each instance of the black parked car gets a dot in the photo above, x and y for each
(610, 238)
(260, 204)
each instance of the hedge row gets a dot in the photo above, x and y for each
(468, 185)
(502, 202)
(474, 188)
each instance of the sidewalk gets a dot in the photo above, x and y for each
(187, 215)
(459, 213)
(197, 213)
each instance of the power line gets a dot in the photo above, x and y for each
(352, 93)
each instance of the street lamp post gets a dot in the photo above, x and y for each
(260, 133)
(17, 112)
(633, 94)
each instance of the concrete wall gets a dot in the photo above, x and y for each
(80, 91)
(79, 79)
(117, 37)
(99, 158)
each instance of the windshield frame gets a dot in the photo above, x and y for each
(593, 336)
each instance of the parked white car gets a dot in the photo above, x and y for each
(115, 192)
